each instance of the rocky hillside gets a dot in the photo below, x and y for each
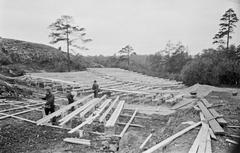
(16, 55)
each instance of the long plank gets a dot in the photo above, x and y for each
(209, 146)
(195, 144)
(75, 112)
(171, 138)
(108, 110)
(127, 91)
(58, 112)
(217, 129)
(214, 112)
(145, 141)
(78, 141)
(112, 120)
(128, 124)
(92, 117)
(203, 140)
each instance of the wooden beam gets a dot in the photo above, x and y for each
(171, 138)
(92, 117)
(127, 91)
(214, 112)
(78, 141)
(112, 120)
(141, 117)
(128, 124)
(134, 125)
(145, 142)
(91, 106)
(208, 146)
(108, 110)
(58, 112)
(195, 144)
(75, 112)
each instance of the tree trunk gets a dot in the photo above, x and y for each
(68, 56)
(228, 30)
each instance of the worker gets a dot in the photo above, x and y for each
(95, 89)
(49, 105)
(70, 97)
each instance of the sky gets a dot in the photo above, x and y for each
(146, 25)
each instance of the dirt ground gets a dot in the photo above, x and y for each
(22, 137)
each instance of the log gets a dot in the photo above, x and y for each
(78, 141)
(171, 138)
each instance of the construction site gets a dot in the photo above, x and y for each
(133, 113)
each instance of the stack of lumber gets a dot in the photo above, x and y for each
(175, 99)
(213, 118)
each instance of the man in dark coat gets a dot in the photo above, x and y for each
(70, 97)
(49, 105)
(95, 89)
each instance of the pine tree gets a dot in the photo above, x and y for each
(64, 30)
(227, 24)
(126, 52)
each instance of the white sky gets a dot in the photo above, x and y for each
(147, 25)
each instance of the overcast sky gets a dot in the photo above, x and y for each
(147, 25)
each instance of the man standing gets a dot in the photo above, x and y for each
(49, 105)
(70, 97)
(95, 89)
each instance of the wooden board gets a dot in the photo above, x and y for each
(214, 112)
(77, 111)
(195, 144)
(217, 129)
(171, 138)
(78, 141)
(101, 119)
(92, 117)
(112, 120)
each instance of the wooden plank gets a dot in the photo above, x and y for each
(195, 144)
(214, 112)
(127, 91)
(78, 141)
(171, 138)
(217, 129)
(75, 112)
(60, 111)
(112, 120)
(209, 146)
(128, 124)
(108, 110)
(92, 117)
(210, 130)
(145, 141)
(203, 140)
(233, 126)
(134, 125)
